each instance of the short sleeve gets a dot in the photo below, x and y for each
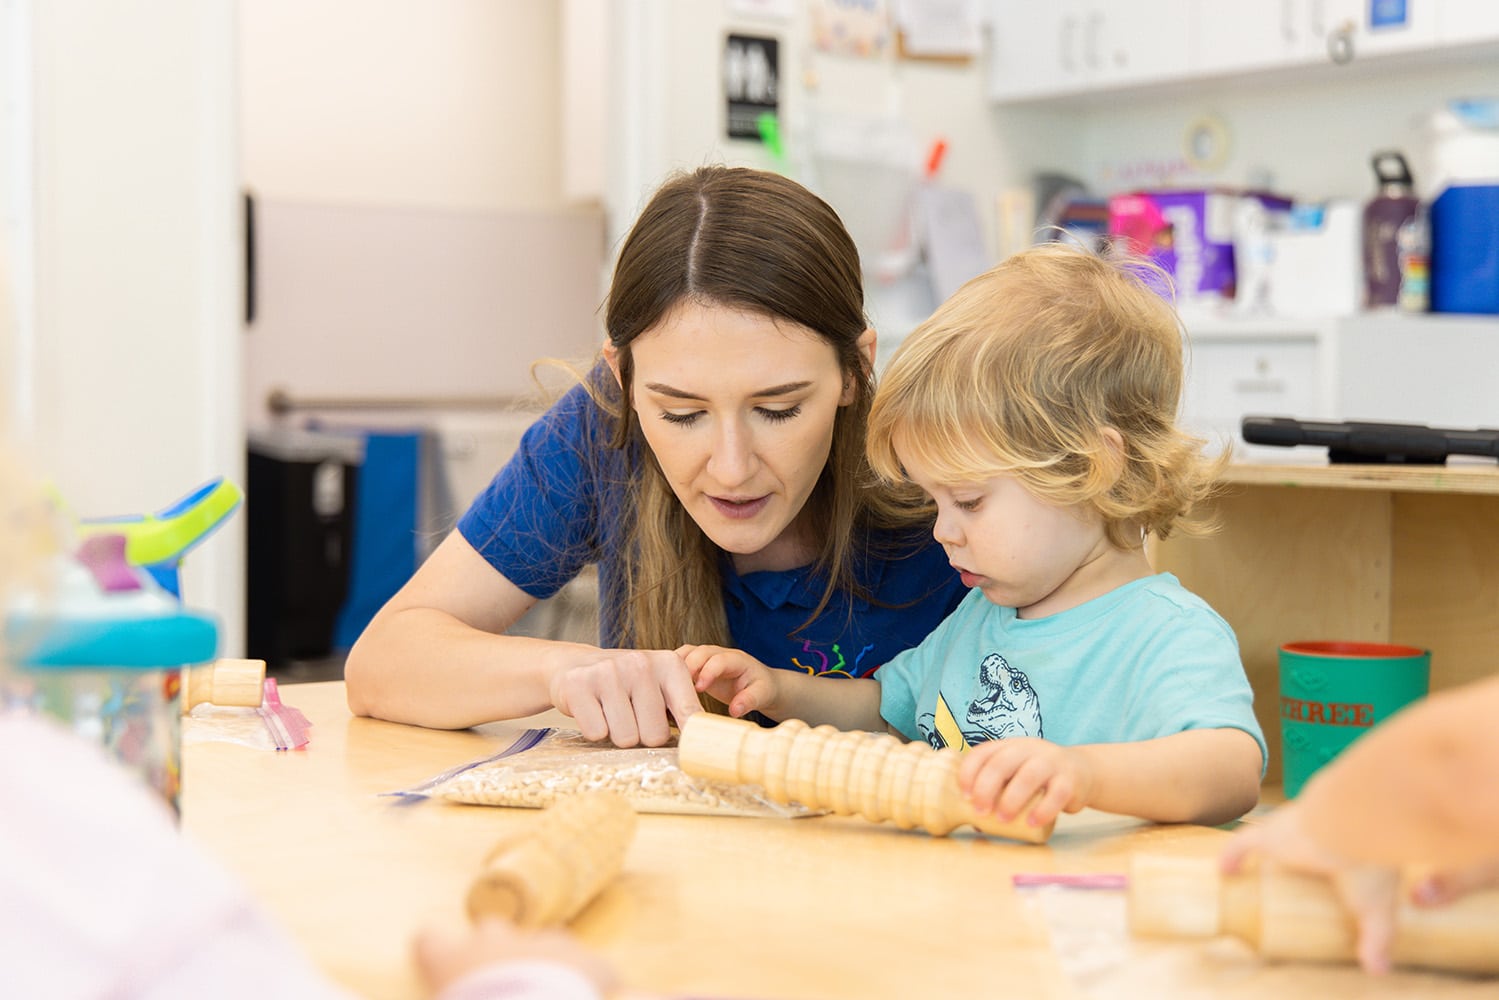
(539, 520)
(1193, 679)
(905, 679)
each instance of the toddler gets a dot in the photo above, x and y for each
(1037, 409)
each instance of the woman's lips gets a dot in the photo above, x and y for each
(739, 509)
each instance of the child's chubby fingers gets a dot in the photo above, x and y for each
(985, 773)
(696, 656)
(1056, 798)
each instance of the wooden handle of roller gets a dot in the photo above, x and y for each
(224, 682)
(568, 853)
(873, 775)
(1297, 917)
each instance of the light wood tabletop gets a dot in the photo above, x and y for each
(705, 906)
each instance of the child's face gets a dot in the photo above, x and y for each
(1021, 552)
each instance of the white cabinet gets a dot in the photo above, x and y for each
(1382, 366)
(1238, 37)
(1269, 368)
(1460, 22)
(1073, 46)
(1232, 37)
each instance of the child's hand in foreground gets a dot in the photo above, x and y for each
(1370, 893)
(735, 678)
(1001, 776)
(446, 955)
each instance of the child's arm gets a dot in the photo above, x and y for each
(1205, 776)
(747, 685)
(1412, 789)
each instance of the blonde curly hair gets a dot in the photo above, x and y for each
(1021, 371)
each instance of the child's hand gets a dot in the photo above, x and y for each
(1001, 776)
(1440, 888)
(735, 678)
(445, 955)
(1369, 892)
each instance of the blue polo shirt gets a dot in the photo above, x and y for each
(553, 509)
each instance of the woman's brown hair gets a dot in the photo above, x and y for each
(759, 242)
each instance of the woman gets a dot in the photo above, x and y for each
(712, 466)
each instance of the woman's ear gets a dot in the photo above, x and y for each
(866, 344)
(611, 358)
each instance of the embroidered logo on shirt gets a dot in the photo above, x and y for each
(819, 663)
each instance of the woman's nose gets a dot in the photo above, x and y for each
(733, 459)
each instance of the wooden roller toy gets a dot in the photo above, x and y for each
(226, 681)
(568, 853)
(1297, 917)
(873, 775)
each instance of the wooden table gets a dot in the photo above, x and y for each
(706, 906)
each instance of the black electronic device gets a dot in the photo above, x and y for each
(1371, 442)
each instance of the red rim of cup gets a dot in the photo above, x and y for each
(1351, 649)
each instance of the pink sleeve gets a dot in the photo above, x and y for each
(533, 979)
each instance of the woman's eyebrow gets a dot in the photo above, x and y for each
(662, 389)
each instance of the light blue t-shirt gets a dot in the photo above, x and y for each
(1145, 660)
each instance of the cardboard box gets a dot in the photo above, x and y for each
(1188, 233)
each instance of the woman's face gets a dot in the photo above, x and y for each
(739, 409)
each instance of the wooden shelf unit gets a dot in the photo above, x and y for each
(1405, 554)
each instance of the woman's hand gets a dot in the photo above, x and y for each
(1001, 776)
(735, 678)
(445, 955)
(1371, 893)
(625, 695)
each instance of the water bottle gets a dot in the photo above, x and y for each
(1393, 205)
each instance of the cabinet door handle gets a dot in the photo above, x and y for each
(1064, 41)
(1340, 44)
(1090, 39)
(1288, 20)
(1252, 385)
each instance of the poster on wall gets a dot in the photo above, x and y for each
(851, 27)
(751, 83)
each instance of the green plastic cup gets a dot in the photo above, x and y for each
(1331, 693)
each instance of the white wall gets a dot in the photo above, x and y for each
(1310, 134)
(453, 104)
(126, 256)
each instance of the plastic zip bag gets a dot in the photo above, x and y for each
(274, 725)
(542, 765)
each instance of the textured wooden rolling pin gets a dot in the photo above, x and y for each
(224, 682)
(1285, 915)
(568, 853)
(873, 775)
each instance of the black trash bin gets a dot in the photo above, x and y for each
(299, 505)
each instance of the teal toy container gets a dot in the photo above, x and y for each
(101, 648)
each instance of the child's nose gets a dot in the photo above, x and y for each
(946, 530)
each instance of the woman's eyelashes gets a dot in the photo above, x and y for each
(774, 416)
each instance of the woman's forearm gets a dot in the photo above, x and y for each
(424, 667)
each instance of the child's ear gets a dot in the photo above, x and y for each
(1115, 456)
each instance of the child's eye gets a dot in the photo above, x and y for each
(780, 416)
(680, 419)
(968, 506)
